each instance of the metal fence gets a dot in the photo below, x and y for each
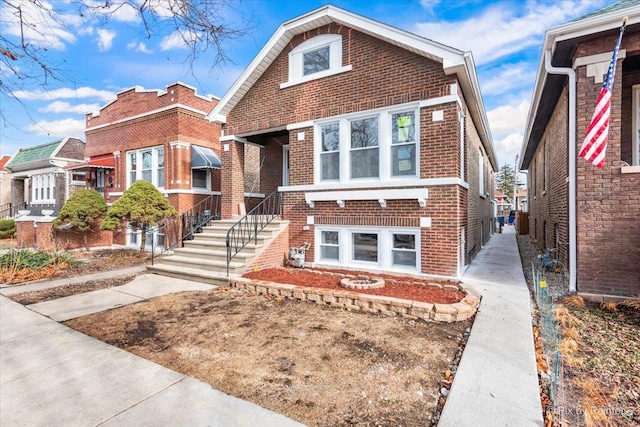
(549, 329)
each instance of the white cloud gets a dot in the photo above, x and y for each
(58, 128)
(138, 47)
(42, 25)
(65, 107)
(120, 11)
(506, 78)
(500, 30)
(176, 40)
(85, 30)
(507, 148)
(66, 93)
(509, 119)
(105, 39)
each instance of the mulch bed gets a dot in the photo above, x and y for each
(395, 286)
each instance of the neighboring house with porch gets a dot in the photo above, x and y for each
(376, 138)
(503, 204)
(161, 136)
(589, 215)
(38, 177)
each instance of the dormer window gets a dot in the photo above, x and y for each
(318, 57)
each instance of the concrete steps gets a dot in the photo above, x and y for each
(204, 259)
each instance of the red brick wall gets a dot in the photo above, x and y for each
(608, 202)
(25, 234)
(157, 129)
(379, 80)
(551, 206)
(275, 254)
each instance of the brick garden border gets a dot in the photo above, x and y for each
(368, 303)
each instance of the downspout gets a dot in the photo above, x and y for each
(569, 72)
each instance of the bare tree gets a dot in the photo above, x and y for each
(30, 30)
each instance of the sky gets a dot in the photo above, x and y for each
(98, 59)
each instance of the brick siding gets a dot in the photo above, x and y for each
(608, 202)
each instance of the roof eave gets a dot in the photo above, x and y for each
(565, 32)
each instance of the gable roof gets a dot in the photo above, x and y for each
(561, 42)
(453, 61)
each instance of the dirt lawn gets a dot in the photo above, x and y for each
(319, 365)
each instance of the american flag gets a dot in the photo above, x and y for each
(594, 146)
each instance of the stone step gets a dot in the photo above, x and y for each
(218, 254)
(216, 245)
(236, 267)
(194, 274)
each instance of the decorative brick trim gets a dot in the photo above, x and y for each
(355, 301)
(384, 221)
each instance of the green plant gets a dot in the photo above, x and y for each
(34, 260)
(7, 228)
(80, 212)
(142, 206)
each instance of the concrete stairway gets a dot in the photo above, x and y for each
(204, 259)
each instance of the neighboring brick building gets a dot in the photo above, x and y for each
(38, 176)
(590, 215)
(377, 138)
(161, 136)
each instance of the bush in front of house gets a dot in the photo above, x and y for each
(141, 206)
(81, 212)
(7, 228)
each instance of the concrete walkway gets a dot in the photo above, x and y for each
(496, 383)
(53, 375)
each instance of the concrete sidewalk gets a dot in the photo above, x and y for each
(496, 383)
(53, 375)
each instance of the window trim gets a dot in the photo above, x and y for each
(385, 144)
(207, 180)
(41, 183)
(296, 59)
(481, 186)
(385, 248)
(139, 166)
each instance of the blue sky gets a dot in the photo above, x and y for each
(100, 60)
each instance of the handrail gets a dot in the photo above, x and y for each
(190, 222)
(247, 228)
(8, 210)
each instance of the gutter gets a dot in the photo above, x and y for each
(569, 72)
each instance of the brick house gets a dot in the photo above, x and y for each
(38, 176)
(589, 215)
(376, 137)
(161, 136)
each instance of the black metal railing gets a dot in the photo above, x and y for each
(200, 216)
(172, 232)
(9, 210)
(248, 227)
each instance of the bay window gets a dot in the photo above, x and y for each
(43, 188)
(357, 147)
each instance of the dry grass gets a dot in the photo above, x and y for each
(575, 301)
(609, 306)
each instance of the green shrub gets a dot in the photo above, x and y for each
(7, 228)
(35, 260)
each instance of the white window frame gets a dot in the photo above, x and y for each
(207, 178)
(78, 181)
(635, 130)
(296, 59)
(385, 248)
(321, 244)
(385, 144)
(43, 188)
(139, 165)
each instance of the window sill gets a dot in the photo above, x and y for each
(316, 76)
(630, 169)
